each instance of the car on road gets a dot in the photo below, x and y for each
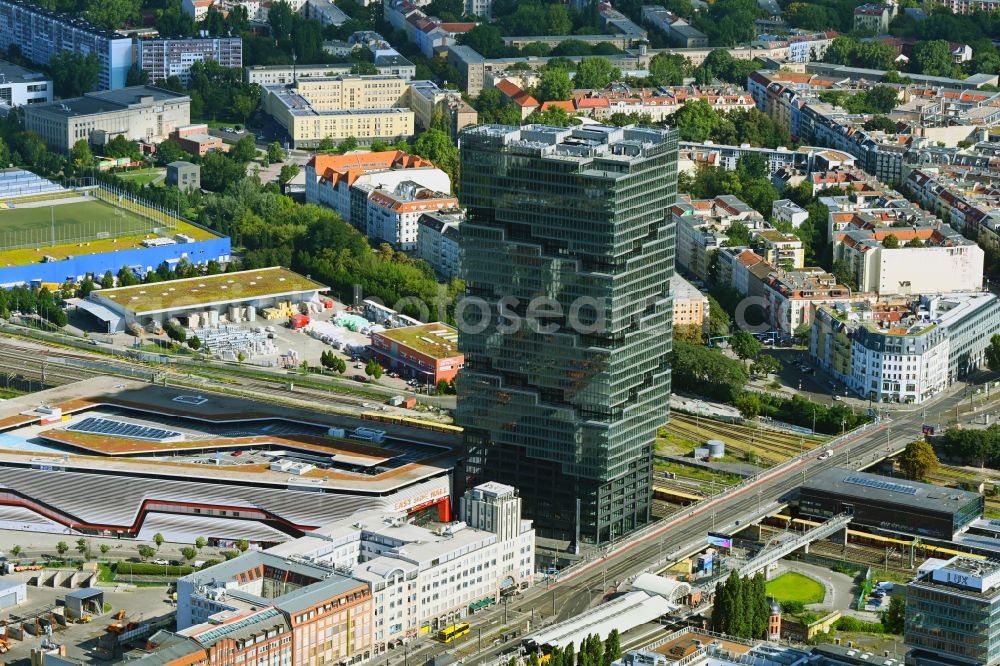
(359, 366)
(826, 455)
(360, 378)
(161, 562)
(836, 397)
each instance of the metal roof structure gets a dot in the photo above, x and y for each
(623, 613)
(876, 488)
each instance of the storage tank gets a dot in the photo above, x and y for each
(251, 313)
(213, 317)
(234, 313)
(716, 448)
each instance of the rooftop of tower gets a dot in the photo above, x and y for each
(585, 141)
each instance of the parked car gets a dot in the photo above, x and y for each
(161, 561)
(360, 378)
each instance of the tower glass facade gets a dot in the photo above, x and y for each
(567, 253)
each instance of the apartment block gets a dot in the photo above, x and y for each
(905, 350)
(658, 103)
(778, 248)
(40, 34)
(139, 113)
(702, 228)
(893, 247)
(873, 18)
(162, 58)
(787, 211)
(363, 107)
(346, 182)
(425, 98)
(392, 214)
(438, 236)
(690, 305)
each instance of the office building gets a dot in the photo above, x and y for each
(40, 34)
(891, 504)
(951, 614)
(566, 408)
(427, 353)
(360, 107)
(20, 86)
(423, 579)
(438, 235)
(267, 75)
(138, 113)
(162, 58)
(184, 175)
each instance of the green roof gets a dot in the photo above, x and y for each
(209, 289)
(435, 340)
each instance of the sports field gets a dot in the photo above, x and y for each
(78, 227)
(22, 225)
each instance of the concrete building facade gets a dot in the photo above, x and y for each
(162, 58)
(139, 113)
(20, 86)
(40, 34)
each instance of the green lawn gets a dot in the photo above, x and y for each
(793, 586)
(142, 176)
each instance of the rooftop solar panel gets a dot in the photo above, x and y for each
(881, 485)
(98, 426)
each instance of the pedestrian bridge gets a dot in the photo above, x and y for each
(789, 542)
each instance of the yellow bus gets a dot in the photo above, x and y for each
(448, 634)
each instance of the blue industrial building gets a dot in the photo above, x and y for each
(140, 260)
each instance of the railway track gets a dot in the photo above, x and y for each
(770, 448)
(855, 553)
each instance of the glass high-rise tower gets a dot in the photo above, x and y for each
(567, 253)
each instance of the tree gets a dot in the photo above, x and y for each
(555, 85)
(612, 647)
(667, 69)
(595, 73)
(113, 14)
(194, 342)
(890, 242)
(74, 73)
(761, 607)
(242, 545)
(200, 542)
(914, 242)
(158, 539)
(933, 58)
(287, 173)
(136, 76)
(245, 150)
(765, 365)
(689, 333)
(894, 617)
(719, 322)
(80, 153)
(745, 345)
(146, 551)
(107, 280)
(436, 146)
(918, 460)
(119, 146)
(275, 153)
(365, 68)
(993, 353)
(105, 548)
(241, 357)
(189, 553)
(485, 39)
(842, 271)
(15, 550)
(61, 548)
(749, 405)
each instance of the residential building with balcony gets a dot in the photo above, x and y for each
(163, 58)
